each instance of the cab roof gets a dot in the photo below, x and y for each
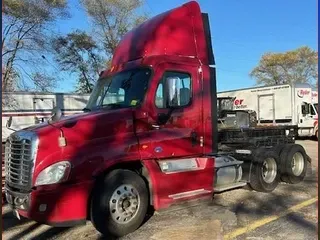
(177, 32)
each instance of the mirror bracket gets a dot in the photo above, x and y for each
(9, 123)
(163, 118)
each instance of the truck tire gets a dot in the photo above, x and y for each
(293, 164)
(119, 203)
(265, 176)
(278, 149)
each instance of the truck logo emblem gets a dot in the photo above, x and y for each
(158, 149)
(301, 93)
(239, 104)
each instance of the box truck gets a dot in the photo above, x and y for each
(295, 104)
(147, 139)
(29, 108)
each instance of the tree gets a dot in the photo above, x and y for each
(112, 19)
(12, 77)
(78, 53)
(296, 66)
(25, 34)
(43, 82)
(7, 99)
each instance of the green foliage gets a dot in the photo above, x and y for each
(35, 11)
(12, 80)
(297, 66)
(43, 82)
(86, 55)
(25, 37)
(27, 32)
(112, 19)
(78, 53)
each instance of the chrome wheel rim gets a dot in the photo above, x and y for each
(297, 164)
(269, 170)
(124, 204)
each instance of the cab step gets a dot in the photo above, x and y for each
(226, 187)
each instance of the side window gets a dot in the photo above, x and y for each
(305, 109)
(159, 96)
(312, 110)
(174, 90)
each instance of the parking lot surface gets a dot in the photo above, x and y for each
(290, 212)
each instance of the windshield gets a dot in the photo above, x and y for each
(122, 90)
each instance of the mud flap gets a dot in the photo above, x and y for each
(16, 213)
(308, 158)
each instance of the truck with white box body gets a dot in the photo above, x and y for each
(29, 108)
(280, 105)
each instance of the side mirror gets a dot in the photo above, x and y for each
(163, 118)
(305, 109)
(55, 115)
(172, 91)
(9, 122)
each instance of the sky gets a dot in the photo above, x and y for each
(242, 31)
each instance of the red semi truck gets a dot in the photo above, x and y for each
(154, 143)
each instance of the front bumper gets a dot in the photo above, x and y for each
(57, 205)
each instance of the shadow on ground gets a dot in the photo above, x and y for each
(10, 221)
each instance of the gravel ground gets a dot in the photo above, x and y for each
(229, 212)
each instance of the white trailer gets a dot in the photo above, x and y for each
(30, 108)
(280, 105)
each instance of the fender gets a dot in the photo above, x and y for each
(128, 164)
(168, 188)
(315, 126)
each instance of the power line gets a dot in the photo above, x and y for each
(149, 7)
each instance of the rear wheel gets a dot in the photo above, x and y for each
(119, 204)
(265, 175)
(278, 149)
(293, 160)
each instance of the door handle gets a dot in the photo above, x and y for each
(194, 136)
(155, 126)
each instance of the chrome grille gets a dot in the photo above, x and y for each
(20, 153)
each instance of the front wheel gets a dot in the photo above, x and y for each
(265, 175)
(119, 204)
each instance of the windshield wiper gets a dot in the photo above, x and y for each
(86, 109)
(112, 105)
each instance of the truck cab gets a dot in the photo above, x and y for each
(148, 138)
(307, 112)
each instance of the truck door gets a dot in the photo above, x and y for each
(42, 107)
(266, 108)
(174, 110)
(307, 115)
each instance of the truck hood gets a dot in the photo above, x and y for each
(64, 120)
(86, 134)
(83, 128)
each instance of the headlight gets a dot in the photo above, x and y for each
(55, 173)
